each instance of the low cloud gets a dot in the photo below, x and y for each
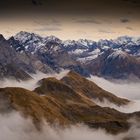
(124, 89)
(31, 84)
(15, 127)
(133, 106)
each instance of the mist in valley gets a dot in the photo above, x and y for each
(32, 83)
(14, 126)
(122, 88)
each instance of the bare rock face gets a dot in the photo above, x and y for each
(10, 64)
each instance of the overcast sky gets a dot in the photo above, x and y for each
(73, 19)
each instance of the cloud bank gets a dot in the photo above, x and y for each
(31, 84)
(124, 89)
(14, 127)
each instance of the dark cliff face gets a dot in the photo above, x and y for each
(17, 65)
(10, 64)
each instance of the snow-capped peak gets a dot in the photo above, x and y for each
(85, 42)
(123, 40)
(23, 37)
(31, 42)
(118, 54)
(52, 39)
(69, 43)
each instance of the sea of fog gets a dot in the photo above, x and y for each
(125, 89)
(14, 127)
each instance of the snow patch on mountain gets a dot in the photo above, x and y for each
(82, 49)
(118, 54)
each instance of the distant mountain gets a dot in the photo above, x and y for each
(31, 42)
(49, 51)
(131, 45)
(115, 64)
(50, 54)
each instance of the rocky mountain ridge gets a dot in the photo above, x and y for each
(107, 58)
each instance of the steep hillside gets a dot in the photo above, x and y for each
(10, 64)
(90, 89)
(65, 102)
(63, 112)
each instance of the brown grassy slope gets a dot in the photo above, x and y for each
(90, 89)
(30, 104)
(80, 109)
(57, 102)
(60, 91)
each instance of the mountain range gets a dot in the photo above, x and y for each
(27, 53)
(72, 99)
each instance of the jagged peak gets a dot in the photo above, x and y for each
(52, 37)
(2, 37)
(69, 42)
(126, 39)
(118, 54)
(22, 35)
